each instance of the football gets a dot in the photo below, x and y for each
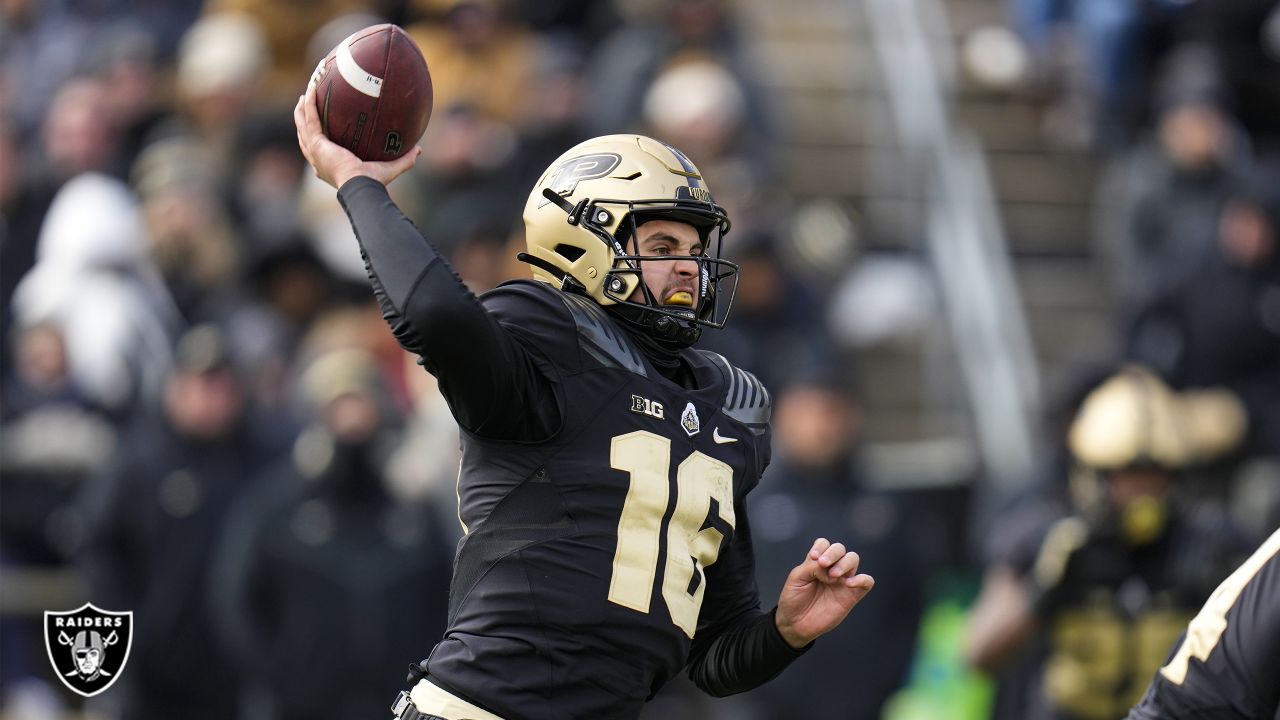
(374, 93)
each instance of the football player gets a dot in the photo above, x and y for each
(605, 461)
(1227, 664)
(1078, 610)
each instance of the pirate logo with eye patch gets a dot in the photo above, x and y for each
(88, 646)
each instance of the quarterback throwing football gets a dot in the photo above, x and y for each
(605, 461)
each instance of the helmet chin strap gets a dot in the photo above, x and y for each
(667, 333)
(671, 330)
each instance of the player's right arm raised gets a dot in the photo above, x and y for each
(484, 373)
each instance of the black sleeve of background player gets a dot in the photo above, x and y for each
(487, 377)
(742, 657)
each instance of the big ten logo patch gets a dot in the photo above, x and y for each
(645, 406)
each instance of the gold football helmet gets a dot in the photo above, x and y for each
(1135, 423)
(584, 211)
(1134, 420)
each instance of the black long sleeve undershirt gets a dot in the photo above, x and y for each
(742, 657)
(486, 375)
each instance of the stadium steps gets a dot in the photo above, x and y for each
(816, 60)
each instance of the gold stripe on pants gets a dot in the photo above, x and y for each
(432, 699)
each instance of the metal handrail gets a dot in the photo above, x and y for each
(965, 239)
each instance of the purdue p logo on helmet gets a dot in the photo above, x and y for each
(588, 204)
(566, 176)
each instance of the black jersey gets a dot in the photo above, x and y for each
(606, 545)
(591, 560)
(1109, 610)
(1227, 664)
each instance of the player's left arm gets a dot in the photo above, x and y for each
(750, 648)
(819, 592)
(737, 647)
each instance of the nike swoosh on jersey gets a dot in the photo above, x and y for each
(720, 439)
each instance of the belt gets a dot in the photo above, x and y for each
(404, 709)
(428, 701)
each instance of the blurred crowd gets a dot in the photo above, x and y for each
(204, 420)
(1161, 472)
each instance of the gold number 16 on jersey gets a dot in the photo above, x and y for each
(691, 548)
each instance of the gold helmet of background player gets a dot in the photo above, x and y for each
(585, 209)
(1132, 434)
(1135, 420)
